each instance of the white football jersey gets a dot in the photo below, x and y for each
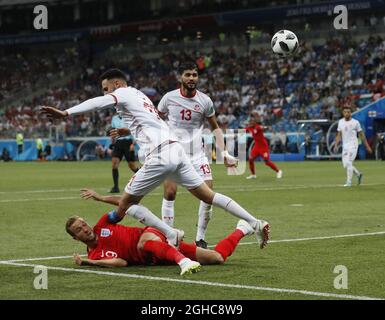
(138, 114)
(349, 130)
(186, 116)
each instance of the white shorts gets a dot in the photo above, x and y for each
(170, 162)
(202, 167)
(348, 155)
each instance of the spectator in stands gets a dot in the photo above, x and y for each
(322, 78)
(275, 142)
(47, 151)
(283, 138)
(307, 144)
(20, 142)
(103, 152)
(322, 145)
(5, 156)
(39, 148)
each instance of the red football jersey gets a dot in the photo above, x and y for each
(259, 139)
(117, 241)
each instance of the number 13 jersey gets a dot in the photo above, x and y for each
(186, 117)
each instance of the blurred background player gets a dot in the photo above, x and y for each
(187, 109)
(114, 245)
(347, 130)
(260, 148)
(123, 145)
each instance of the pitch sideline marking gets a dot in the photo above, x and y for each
(239, 189)
(240, 244)
(205, 283)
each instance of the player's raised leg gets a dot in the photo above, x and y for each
(222, 250)
(261, 227)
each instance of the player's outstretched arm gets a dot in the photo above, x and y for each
(115, 262)
(53, 112)
(337, 141)
(91, 194)
(229, 160)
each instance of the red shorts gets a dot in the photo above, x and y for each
(260, 152)
(188, 250)
(156, 232)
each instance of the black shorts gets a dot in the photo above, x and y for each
(122, 148)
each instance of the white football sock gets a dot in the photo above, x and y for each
(234, 208)
(349, 172)
(145, 216)
(168, 212)
(204, 216)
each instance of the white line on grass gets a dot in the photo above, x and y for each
(40, 199)
(232, 188)
(242, 243)
(204, 283)
(321, 238)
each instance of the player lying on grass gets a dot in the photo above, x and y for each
(114, 245)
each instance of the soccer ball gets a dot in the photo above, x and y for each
(284, 43)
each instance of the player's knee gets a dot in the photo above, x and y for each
(140, 245)
(217, 258)
(169, 193)
(207, 197)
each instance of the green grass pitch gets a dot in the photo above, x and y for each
(309, 202)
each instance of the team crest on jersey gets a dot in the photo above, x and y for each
(197, 107)
(104, 233)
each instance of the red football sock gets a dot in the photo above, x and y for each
(251, 166)
(272, 165)
(227, 246)
(189, 250)
(163, 251)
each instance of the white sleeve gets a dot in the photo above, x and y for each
(162, 105)
(97, 103)
(339, 126)
(210, 111)
(358, 127)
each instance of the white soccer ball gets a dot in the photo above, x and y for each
(284, 43)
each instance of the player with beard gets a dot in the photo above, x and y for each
(187, 109)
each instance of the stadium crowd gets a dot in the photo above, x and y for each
(315, 83)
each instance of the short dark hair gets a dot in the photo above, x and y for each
(113, 74)
(69, 223)
(187, 65)
(347, 107)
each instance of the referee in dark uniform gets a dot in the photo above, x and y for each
(123, 145)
